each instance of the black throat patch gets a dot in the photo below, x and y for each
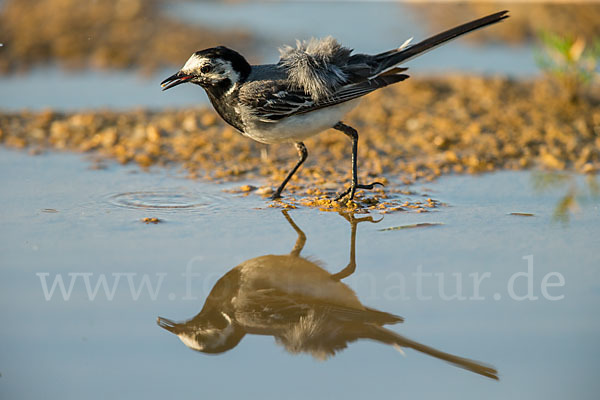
(222, 99)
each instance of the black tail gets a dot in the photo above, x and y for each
(394, 57)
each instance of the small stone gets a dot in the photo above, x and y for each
(151, 220)
(588, 168)
(264, 190)
(247, 188)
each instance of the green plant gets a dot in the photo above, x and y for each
(571, 61)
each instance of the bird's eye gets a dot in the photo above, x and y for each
(205, 69)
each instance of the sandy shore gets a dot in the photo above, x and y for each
(418, 130)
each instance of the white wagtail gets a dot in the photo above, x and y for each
(304, 307)
(309, 90)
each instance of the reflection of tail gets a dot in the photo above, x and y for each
(386, 336)
(381, 317)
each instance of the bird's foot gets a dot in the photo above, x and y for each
(350, 217)
(276, 196)
(352, 189)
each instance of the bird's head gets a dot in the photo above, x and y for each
(206, 336)
(217, 67)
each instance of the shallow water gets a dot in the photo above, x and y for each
(365, 26)
(59, 217)
(54, 88)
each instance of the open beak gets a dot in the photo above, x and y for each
(174, 80)
(166, 324)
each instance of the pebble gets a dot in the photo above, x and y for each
(523, 124)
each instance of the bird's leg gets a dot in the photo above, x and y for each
(353, 134)
(301, 236)
(351, 267)
(302, 154)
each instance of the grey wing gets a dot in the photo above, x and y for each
(271, 101)
(355, 90)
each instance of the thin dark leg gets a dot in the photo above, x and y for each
(351, 267)
(353, 134)
(302, 154)
(301, 240)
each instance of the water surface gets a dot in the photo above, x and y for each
(59, 218)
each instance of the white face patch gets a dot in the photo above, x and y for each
(219, 69)
(227, 70)
(213, 337)
(190, 342)
(194, 63)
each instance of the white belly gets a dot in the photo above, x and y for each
(298, 127)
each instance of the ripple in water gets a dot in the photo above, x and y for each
(164, 201)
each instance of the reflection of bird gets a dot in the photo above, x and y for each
(309, 90)
(303, 306)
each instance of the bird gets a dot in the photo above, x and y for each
(303, 306)
(309, 90)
